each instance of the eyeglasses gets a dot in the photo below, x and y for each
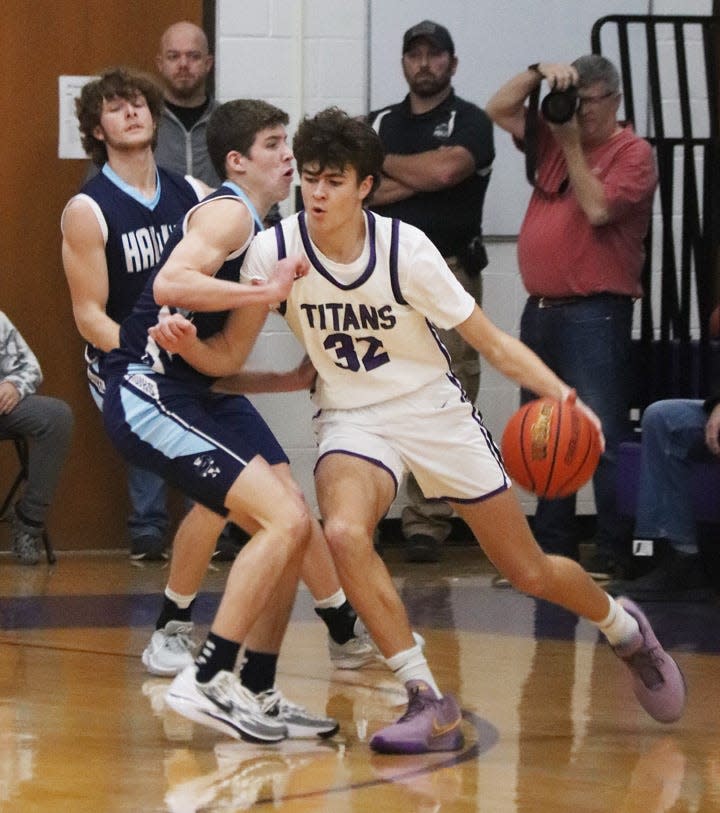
(590, 101)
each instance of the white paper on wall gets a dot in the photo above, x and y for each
(69, 88)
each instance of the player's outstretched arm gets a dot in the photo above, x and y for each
(301, 377)
(517, 361)
(217, 230)
(224, 353)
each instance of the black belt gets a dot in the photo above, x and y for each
(560, 301)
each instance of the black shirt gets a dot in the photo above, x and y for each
(188, 116)
(450, 217)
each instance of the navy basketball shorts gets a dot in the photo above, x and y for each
(197, 440)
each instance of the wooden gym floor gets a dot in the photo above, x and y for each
(550, 720)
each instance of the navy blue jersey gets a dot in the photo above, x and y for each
(135, 344)
(136, 230)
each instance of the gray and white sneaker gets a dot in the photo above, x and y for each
(360, 650)
(355, 653)
(225, 705)
(299, 721)
(25, 541)
(171, 649)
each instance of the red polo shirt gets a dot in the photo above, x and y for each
(559, 253)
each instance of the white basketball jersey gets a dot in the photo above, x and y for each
(368, 326)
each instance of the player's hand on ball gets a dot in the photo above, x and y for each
(572, 400)
(551, 447)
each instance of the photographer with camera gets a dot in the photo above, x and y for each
(580, 254)
(439, 153)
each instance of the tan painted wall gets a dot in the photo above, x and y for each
(38, 42)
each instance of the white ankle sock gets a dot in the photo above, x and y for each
(332, 602)
(618, 626)
(183, 602)
(410, 664)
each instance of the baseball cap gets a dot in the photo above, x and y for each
(437, 34)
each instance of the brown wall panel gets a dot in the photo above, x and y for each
(40, 41)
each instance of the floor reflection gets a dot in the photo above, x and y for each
(550, 719)
(646, 771)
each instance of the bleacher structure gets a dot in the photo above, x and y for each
(669, 74)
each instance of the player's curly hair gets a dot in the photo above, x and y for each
(333, 139)
(113, 82)
(234, 125)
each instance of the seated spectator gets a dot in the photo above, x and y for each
(675, 432)
(45, 422)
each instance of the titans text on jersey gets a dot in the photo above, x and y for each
(344, 316)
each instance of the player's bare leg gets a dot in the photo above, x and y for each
(193, 548)
(349, 645)
(171, 647)
(353, 496)
(266, 569)
(284, 523)
(500, 526)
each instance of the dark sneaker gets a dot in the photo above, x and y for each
(429, 724)
(225, 705)
(229, 543)
(678, 578)
(25, 541)
(658, 683)
(422, 548)
(598, 567)
(148, 548)
(299, 721)
(171, 649)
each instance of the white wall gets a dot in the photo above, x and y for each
(304, 55)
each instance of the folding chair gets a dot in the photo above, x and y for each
(21, 448)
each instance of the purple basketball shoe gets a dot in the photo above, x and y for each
(658, 683)
(429, 724)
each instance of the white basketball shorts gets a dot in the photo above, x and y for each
(434, 432)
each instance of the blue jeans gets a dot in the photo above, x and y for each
(588, 344)
(673, 435)
(146, 490)
(148, 514)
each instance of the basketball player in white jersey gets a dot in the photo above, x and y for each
(366, 313)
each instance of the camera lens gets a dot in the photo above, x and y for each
(559, 106)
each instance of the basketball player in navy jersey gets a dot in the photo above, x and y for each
(367, 309)
(216, 449)
(113, 234)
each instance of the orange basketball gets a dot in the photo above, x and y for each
(550, 447)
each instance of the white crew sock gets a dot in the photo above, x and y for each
(410, 664)
(618, 626)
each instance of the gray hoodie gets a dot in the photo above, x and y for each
(18, 363)
(186, 152)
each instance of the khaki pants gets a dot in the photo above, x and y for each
(433, 518)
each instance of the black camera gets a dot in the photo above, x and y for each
(559, 106)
